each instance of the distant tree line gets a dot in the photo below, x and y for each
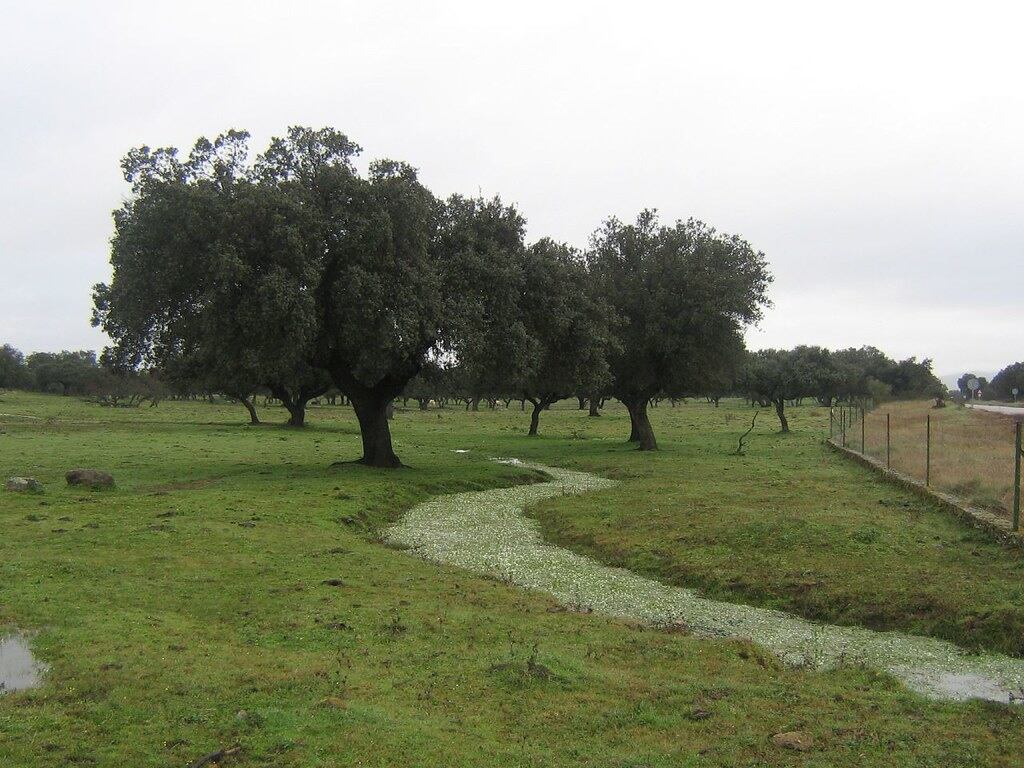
(1000, 388)
(775, 377)
(78, 373)
(1002, 385)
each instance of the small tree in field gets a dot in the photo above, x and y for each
(682, 295)
(567, 330)
(775, 376)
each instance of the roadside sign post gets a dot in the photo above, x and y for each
(1015, 391)
(973, 385)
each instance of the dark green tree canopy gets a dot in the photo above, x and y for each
(211, 274)
(962, 384)
(567, 328)
(682, 294)
(263, 274)
(13, 372)
(774, 376)
(483, 273)
(1003, 383)
(67, 372)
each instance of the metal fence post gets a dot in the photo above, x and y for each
(888, 450)
(928, 451)
(1016, 477)
(843, 416)
(862, 419)
(831, 420)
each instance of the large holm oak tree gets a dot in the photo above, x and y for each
(267, 272)
(682, 295)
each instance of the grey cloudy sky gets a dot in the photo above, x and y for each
(871, 150)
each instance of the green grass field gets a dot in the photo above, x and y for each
(233, 590)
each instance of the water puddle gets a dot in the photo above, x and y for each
(19, 669)
(487, 532)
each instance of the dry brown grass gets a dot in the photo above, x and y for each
(971, 453)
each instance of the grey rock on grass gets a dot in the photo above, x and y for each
(90, 478)
(23, 484)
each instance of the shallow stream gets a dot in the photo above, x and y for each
(486, 532)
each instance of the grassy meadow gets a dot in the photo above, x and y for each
(971, 454)
(233, 590)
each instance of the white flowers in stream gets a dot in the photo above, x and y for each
(487, 533)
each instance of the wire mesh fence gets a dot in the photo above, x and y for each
(971, 454)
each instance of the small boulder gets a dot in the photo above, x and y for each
(23, 484)
(797, 740)
(90, 478)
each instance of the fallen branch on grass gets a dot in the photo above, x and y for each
(739, 448)
(215, 757)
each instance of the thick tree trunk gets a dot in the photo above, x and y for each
(634, 430)
(253, 418)
(647, 439)
(372, 413)
(582, 402)
(297, 415)
(538, 406)
(595, 405)
(373, 406)
(424, 402)
(296, 406)
(780, 410)
(641, 430)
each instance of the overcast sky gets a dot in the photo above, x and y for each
(872, 151)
